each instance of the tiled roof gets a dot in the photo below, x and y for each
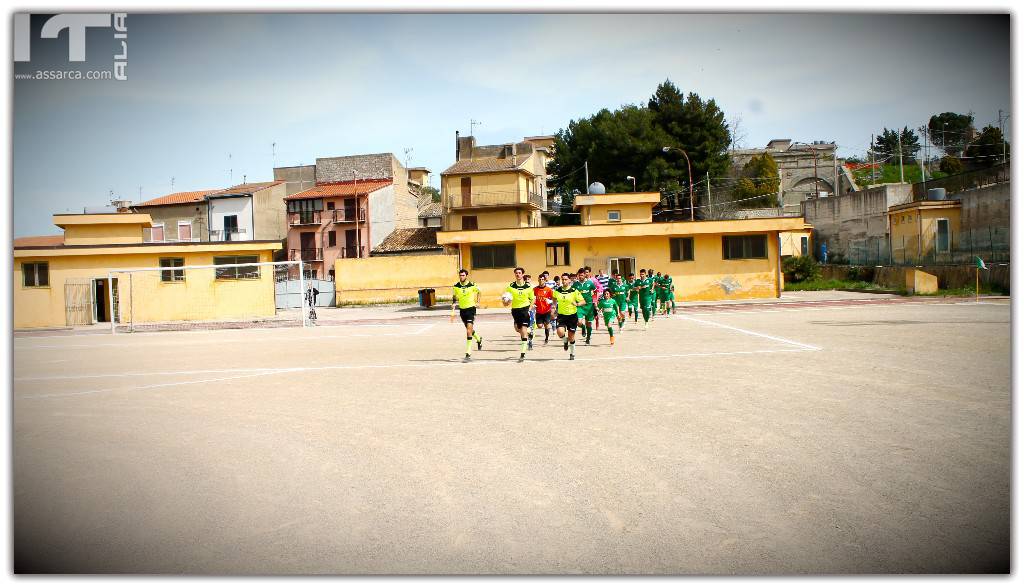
(177, 198)
(486, 164)
(247, 188)
(402, 240)
(41, 241)
(432, 209)
(333, 189)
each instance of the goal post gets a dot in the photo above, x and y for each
(186, 297)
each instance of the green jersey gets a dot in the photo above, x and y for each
(522, 296)
(633, 286)
(586, 288)
(566, 299)
(464, 294)
(618, 288)
(608, 306)
(646, 286)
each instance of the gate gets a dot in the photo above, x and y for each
(78, 302)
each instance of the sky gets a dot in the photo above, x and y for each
(208, 94)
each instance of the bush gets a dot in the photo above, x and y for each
(800, 268)
(951, 165)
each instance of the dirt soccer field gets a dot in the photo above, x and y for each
(824, 438)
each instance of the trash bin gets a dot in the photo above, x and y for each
(426, 296)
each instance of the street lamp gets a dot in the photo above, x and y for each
(689, 173)
(634, 182)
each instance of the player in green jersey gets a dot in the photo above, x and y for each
(466, 296)
(610, 311)
(520, 298)
(568, 300)
(633, 297)
(619, 290)
(587, 311)
(646, 288)
(669, 292)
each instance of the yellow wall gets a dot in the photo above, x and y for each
(509, 188)
(708, 277)
(200, 297)
(791, 242)
(629, 213)
(101, 234)
(503, 183)
(393, 277)
(906, 225)
(492, 219)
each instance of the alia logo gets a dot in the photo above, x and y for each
(76, 24)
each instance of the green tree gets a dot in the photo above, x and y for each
(987, 149)
(760, 177)
(434, 193)
(950, 165)
(951, 131)
(629, 141)
(891, 140)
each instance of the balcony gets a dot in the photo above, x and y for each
(347, 215)
(495, 200)
(309, 217)
(236, 235)
(314, 254)
(352, 252)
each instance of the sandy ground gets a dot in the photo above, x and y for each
(846, 436)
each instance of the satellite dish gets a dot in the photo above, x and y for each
(596, 188)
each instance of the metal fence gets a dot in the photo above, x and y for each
(992, 245)
(966, 181)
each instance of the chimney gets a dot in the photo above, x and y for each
(457, 145)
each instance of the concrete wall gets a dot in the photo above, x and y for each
(950, 276)
(102, 234)
(382, 214)
(297, 178)
(985, 208)
(394, 278)
(170, 215)
(199, 297)
(853, 217)
(269, 215)
(340, 169)
(707, 277)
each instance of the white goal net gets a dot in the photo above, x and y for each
(235, 292)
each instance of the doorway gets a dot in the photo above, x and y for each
(623, 265)
(101, 300)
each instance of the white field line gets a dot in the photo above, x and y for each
(194, 332)
(825, 307)
(429, 364)
(752, 333)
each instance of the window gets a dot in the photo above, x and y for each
(154, 234)
(173, 275)
(614, 216)
(184, 230)
(682, 249)
(36, 275)
(942, 235)
(237, 273)
(745, 247)
(332, 238)
(469, 223)
(557, 253)
(330, 206)
(803, 245)
(493, 256)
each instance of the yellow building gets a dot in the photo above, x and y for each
(708, 260)
(797, 243)
(496, 186)
(62, 280)
(924, 229)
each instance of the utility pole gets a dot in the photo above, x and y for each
(899, 147)
(815, 171)
(835, 173)
(1001, 136)
(586, 176)
(871, 156)
(707, 178)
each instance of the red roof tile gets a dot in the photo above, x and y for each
(402, 240)
(334, 189)
(177, 198)
(248, 187)
(40, 241)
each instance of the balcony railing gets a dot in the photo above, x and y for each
(172, 240)
(221, 235)
(314, 254)
(352, 252)
(309, 217)
(343, 215)
(493, 199)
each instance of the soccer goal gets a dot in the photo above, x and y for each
(242, 294)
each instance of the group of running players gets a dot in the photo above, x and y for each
(568, 303)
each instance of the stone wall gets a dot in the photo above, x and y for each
(372, 166)
(984, 208)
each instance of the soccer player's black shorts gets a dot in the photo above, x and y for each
(521, 316)
(569, 321)
(543, 319)
(467, 314)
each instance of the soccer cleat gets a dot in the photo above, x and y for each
(529, 346)
(588, 340)
(572, 356)
(522, 357)
(465, 359)
(613, 339)
(565, 345)
(479, 343)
